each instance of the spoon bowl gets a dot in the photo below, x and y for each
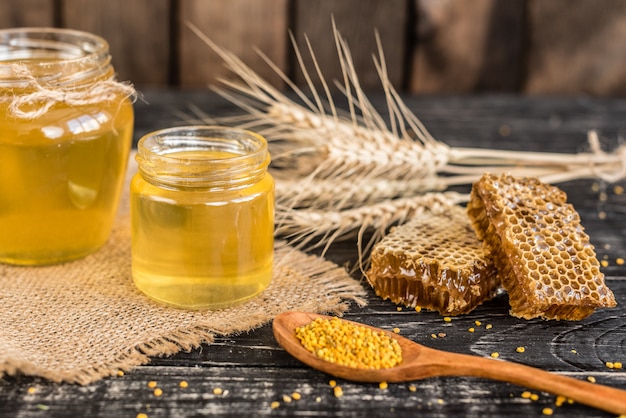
(420, 362)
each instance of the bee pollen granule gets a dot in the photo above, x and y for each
(348, 344)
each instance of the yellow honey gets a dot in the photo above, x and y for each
(202, 216)
(65, 135)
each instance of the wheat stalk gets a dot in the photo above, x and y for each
(320, 228)
(344, 171)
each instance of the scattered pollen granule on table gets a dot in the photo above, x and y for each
(348, 344)
(619, 261)
(183, 384)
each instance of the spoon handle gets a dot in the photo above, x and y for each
(595, 395)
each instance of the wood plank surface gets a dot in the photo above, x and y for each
(357, 21)
(253, 371)
(237, 26)
(576, 47)
(464, 47)
(570, 47)
(138, 33)
(22, 13)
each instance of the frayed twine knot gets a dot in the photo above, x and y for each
(37, 103)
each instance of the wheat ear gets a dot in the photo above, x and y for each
(315, 144)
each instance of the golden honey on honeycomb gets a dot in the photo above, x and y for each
(433, 261)
(544, 258)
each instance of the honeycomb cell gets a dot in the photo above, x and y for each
(558, 275)
(444, 269)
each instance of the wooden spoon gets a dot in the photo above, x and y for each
(420, 362)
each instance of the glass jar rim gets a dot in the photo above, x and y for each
(48, 52)
(167, 155)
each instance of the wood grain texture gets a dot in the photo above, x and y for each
(137, 31)
(463, 47)
(16, 13)
(357, 21)
(576, 47)
(571, 47)
(253, 371)
(237, 26)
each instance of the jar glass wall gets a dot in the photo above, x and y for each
(65, 135)
(202, 216)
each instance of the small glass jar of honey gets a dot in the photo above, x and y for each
(65, 134)
(202, 216)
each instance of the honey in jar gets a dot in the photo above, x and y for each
(65, 135)
(202, 216)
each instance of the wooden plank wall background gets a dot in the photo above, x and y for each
(565, 47)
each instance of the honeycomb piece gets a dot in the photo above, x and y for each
(433, 261)
(543, 256)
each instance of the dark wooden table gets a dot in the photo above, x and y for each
(253, 371)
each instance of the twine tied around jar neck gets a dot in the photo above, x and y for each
(42, 98)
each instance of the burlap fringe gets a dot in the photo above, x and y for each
(297, 272)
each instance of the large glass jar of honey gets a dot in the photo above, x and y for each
(65, 134)
(202, 216)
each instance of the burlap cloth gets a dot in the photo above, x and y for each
(82, 321)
